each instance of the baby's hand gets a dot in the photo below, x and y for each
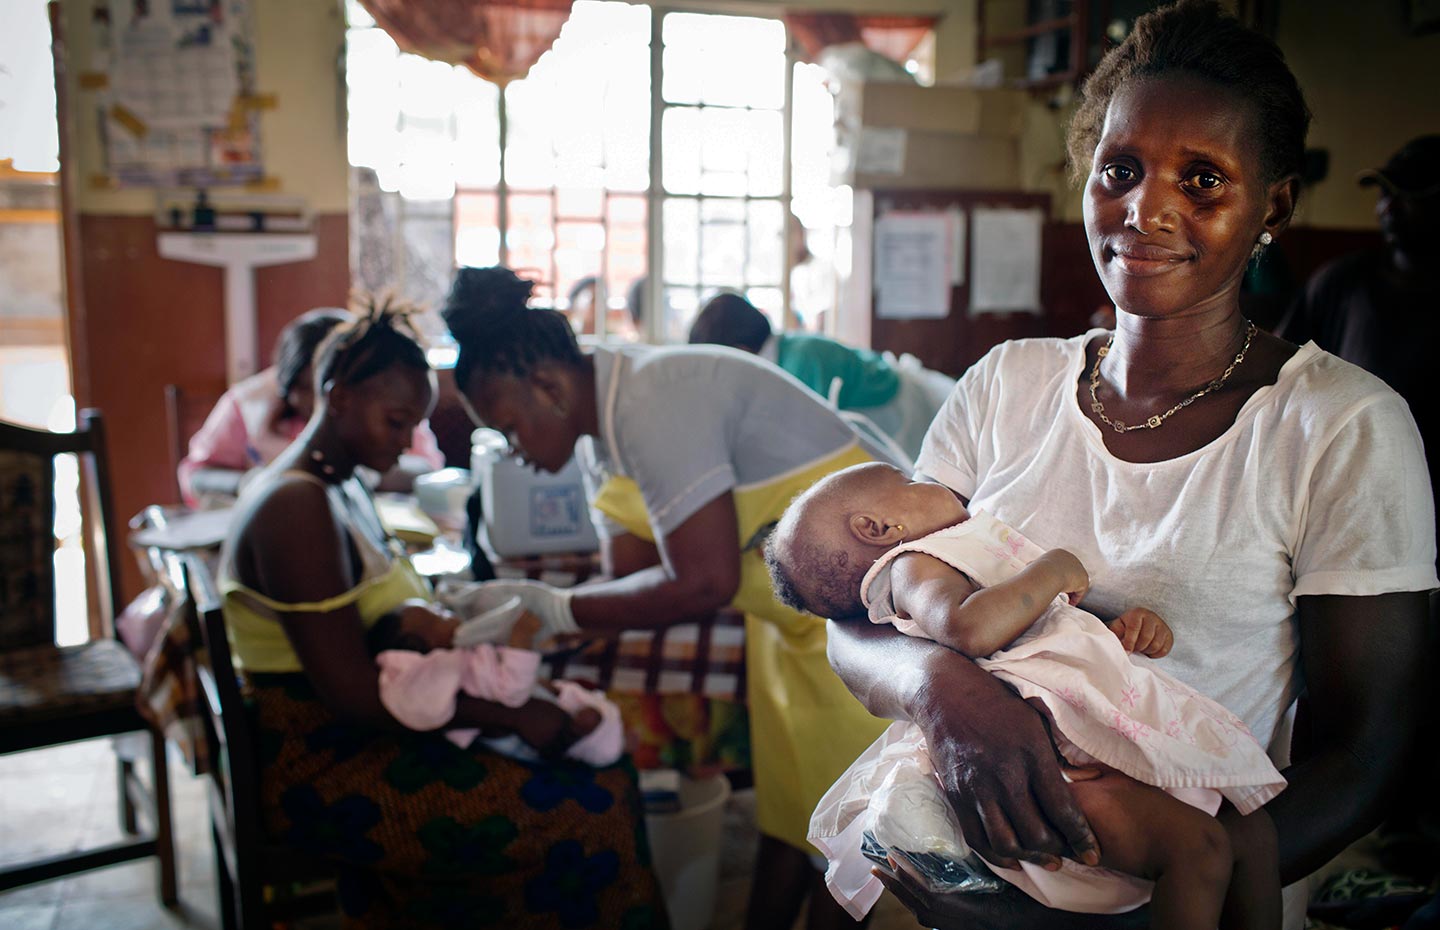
(431, 623)
(1075, 580)
(1142, 630)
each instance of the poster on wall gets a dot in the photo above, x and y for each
(915, 263)
(1005, 260)
(177, 107)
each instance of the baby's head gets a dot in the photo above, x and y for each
(830, 535)
(415, 626)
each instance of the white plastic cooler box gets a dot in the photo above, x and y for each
(525, 511)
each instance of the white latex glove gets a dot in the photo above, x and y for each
(489, 626)
(483, 602)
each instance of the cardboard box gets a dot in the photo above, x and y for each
(967, 110)
(930, 159)
(901, 135)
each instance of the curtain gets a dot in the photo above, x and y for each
(497, 39)
(895, 37)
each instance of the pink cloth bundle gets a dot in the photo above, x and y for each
(421, 690)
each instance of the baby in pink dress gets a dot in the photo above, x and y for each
(1151, 760)
(423, 672)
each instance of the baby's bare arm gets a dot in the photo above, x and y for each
(949, 608)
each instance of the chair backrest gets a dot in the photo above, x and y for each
(27, 527)
(185, 412)
(234, 784)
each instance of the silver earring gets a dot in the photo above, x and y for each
(1266, 238)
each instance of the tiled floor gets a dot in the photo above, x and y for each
(58, 799)
(55, 799)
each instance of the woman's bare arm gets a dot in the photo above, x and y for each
(626, 554)
(1363, 660)
(297, 553)
(991, 749)
(698, 573)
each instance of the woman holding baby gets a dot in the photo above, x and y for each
(425, 832)
(1270, 501)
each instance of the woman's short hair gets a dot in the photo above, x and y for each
(380, 338)
(489, 315)
(730, 320)
(1197, 37)
(295, 348)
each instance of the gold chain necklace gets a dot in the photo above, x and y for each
(1120, 426)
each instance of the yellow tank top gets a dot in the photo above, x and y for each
(257, 640)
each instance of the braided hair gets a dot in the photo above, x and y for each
(497, 332)
(1197, 37)
(380, 338)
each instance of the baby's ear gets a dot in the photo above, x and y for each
(873, 530)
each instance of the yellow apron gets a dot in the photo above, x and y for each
(805, 727)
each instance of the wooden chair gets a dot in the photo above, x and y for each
(185, 412)
(49, 694)
(256, 878)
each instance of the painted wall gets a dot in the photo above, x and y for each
(139, 322)
(298, 48)
(1370, 85)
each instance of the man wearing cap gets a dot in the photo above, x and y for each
(1381, 309)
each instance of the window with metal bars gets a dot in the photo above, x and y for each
(579, 175)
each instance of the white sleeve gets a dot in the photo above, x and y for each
(948, 453)
(1368, 524)
(677, 451)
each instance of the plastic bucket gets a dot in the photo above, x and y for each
(685, 849)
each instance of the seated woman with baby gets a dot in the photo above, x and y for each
(427, 829)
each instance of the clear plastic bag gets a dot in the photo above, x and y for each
(910, 818)
(889, 804)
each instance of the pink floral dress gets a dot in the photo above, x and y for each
(1107, 706)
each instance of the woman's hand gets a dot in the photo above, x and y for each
(488, 623)
(991, 750)
(1007, 909)
(546, 727)
(547, 602)
(996, 761)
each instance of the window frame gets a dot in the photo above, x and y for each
(652, 329)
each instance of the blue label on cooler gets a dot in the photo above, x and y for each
(556, 510)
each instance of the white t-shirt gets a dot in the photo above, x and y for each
(688, 423)
(1319, 487)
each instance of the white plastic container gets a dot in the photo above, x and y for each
(441, 495)
(685, 849)
(525, 511)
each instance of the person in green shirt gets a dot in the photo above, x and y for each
(866, 378)
(899, 398)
